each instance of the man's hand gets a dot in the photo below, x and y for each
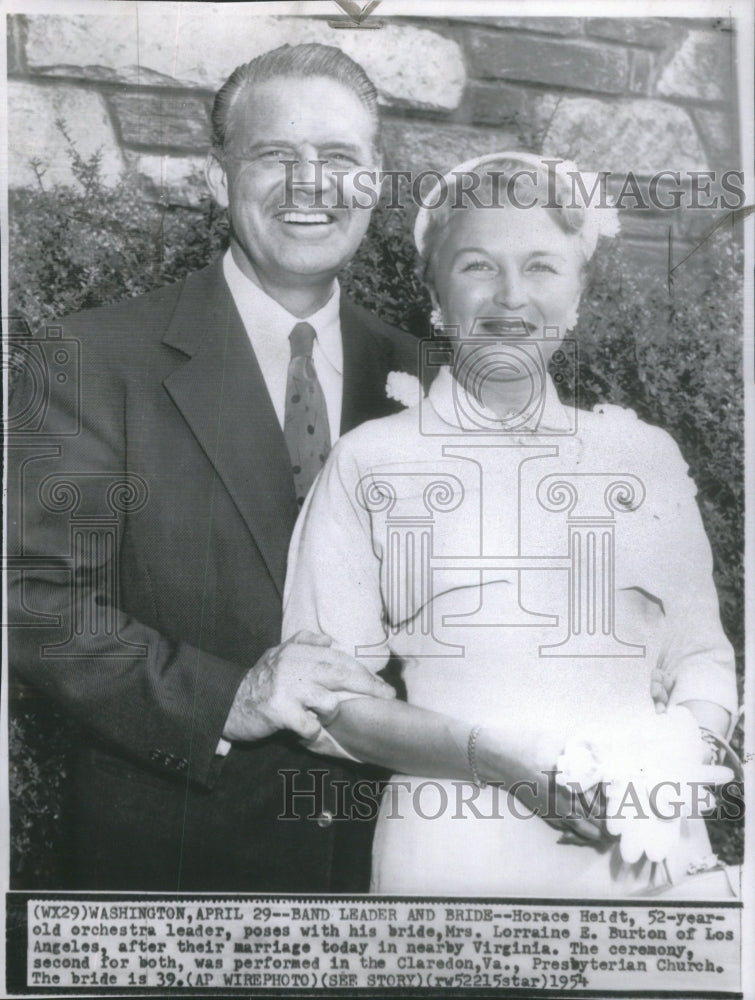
(295, 685)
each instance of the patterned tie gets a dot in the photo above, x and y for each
(306, 421)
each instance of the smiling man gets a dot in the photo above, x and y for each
(216, 400)
(292, 240)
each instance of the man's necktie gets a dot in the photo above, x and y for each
(306, 418)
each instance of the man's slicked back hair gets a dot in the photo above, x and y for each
(293, 62)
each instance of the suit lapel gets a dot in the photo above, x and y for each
(221, 394)
(365, 368)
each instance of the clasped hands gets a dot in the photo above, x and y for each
(298, 686)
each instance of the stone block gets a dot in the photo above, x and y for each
(719, 132)
(497, 104)
(418, 146)
(638, 225)
(16, 44)
(169, 119)
(702, 68)
(537, 60)
(641, 72)
(561, 26)
(638, 135)
(177, 180)
(33, 133)
(616, 183)
(650, 31)
(138, 76)
(411, 67)
(200, 44)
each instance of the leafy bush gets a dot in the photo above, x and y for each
(672, 354)
(39, 774)
(74, 248)
(675, 358)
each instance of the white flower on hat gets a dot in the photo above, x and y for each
(601, 219)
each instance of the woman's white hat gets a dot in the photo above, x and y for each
(599, 220)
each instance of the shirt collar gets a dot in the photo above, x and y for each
(258, 309)
(459, 408)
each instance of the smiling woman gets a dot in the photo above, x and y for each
(535, 568)
(514, 282)
(513, 271)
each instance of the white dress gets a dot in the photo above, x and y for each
(536, 572)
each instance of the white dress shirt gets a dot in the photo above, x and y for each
(268, 326)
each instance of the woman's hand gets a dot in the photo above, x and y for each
(524, 763)
(661, 684)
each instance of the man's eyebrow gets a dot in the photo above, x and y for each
(339, 144)
(254, 147)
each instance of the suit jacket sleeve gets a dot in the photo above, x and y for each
(155, 699)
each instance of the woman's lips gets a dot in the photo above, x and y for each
(504, 326)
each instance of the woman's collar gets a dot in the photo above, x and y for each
(544, 414)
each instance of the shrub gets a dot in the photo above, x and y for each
(39, 774)
(671, 353)
(78, 247)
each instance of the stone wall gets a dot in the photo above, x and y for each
(614, 94)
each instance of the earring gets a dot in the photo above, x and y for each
(436, 318)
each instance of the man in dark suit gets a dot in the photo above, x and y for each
(151, 512)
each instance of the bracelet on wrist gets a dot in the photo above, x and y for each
(472, 756)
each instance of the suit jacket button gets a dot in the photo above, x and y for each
(155, 755)
(181, 764)
(325, 819)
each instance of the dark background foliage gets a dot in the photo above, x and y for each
(671, 350)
